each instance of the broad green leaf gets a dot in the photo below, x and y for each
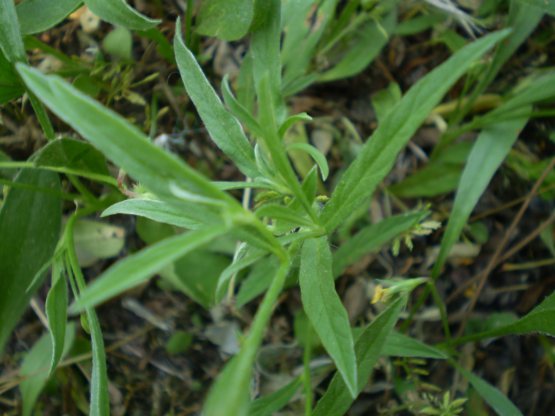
(257, 281)
(196, 274)
(96, 240)
(10, 85)
(160, 211)
(548, 6)
(74, 155)
(35, 370)
(10, 36)
(56, 312)
(139, 267)
(372, 238)
(378, 154)
(119, 44)
(230, 393)
(224, 129)
(30, 226)
(318, 157)
(491, 395)
(225, 19)
(365, 45)
(36, 16)
(325, 310)
(489, 151)
(122, 142)
(118, 12)
(368, 348)
(399, 345)
(274, 402)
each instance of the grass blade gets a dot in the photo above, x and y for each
(379, 152)
(325, 310)
(487, 154)
(56, 312)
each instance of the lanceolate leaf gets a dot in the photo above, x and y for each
(36, 16)
(369, 345)
(225, 19)
(267, 405)
(379, 152)
(29, 229)
(139, 267)
(159, 211)
(372, 238)
(230, 393)
(224, 129)
(491, 395)
(10, 36)
(122, 142)
(325, 310)
(56, 311)
(489, 151)
(118, 12)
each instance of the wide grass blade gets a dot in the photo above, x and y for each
(489, 151)
(139, 267)
(118, 12)
(29, 229)
(325, 310)
(378, 154)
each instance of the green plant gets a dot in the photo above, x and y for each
(289, 232)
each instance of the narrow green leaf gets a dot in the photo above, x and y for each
(365, 45)
(238, 109)
(118, 12)
(230, 393)
(541, 319)
(399, 345)
(548, 6)
(291, 120)
(120, 141)
(369, 345)
(10, 35)
(56, 312)
(257, 281)
(283, 213)
(224, 129)
(35, 370)
(318, 157)
(271, 403)
(36, 16)
(378, 154)
(30, 226)
(100, 400)
(160, 211)
(10, 85)
(325, 310)
(265, 51)
(225, 19)
(489, 151)
(372, 238)
(139, 267)
(491, 395)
